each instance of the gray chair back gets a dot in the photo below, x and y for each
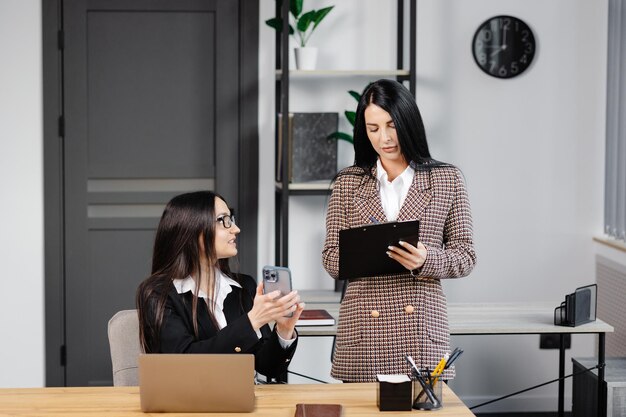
(123, 333)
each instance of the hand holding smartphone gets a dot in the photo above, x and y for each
(277, 278)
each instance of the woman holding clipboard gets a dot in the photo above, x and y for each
(383, 318)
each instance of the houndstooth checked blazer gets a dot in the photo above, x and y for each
(383, 318)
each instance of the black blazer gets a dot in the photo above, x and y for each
(177, 334)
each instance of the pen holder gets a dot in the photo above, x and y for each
(428, 397)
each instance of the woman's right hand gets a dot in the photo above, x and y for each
(270, 307)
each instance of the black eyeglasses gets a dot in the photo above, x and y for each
(226, 220)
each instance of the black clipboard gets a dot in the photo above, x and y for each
(363, 249)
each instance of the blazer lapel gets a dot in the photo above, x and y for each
(367, 197)
(232, 307)
(205, 325)
(418, 197)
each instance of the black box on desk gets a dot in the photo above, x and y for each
(394, 394)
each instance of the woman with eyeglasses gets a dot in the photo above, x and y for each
(193, 303)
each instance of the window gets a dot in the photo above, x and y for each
(615, 180)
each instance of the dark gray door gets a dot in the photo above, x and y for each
(151, 97)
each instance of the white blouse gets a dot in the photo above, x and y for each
(223, 287)
(393, 194)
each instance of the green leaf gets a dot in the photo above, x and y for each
(295, 6)
(305, 21)
(320, 15)
(351, 116)
(341, 136)
(277, 24)
(354, 94)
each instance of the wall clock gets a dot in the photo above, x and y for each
(503, 46)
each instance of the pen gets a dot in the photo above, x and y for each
(373, 219)
(427, 389)
(455, 355)
(430, 378)
(440, 367)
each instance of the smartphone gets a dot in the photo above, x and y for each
(277, 278)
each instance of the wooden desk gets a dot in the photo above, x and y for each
(359, 400)
(489, 319)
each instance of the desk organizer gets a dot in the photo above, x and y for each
(394, 394)
(578, 308)
(428, 397)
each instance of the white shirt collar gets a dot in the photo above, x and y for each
(223, 285)
(406, 178)
(393, 194)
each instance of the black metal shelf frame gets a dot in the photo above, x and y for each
(282, 192)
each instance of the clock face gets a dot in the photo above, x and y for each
(503, 46)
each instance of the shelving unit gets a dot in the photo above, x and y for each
(284, 189)
(344, 73)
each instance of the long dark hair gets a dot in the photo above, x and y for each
(396, 100)
(176, 255)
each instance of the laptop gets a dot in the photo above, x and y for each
(363, 249)
(196, 382)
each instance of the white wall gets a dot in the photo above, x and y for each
(531, 149)
(21, 187)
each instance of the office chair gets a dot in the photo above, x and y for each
(123, 333)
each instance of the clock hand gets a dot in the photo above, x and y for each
(497, 51)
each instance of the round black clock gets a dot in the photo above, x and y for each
(503, 46)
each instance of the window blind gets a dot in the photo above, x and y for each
(615, 181)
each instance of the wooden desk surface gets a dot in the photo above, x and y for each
(470, 318)
(359, 400)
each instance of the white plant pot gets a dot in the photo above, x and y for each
(306, 58)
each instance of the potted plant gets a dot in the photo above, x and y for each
(305, 24)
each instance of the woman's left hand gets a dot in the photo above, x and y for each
(285, 325)
(409, 256)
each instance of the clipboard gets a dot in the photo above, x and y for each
(363, 249)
